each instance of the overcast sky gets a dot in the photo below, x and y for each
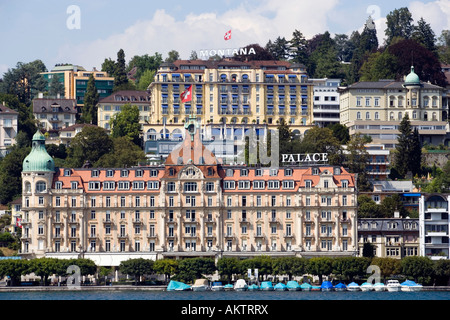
(85, 32)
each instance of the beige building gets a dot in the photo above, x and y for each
(111, 105)
(377, 108)
(237, 94)
(390, 237)
(192, 206)
(55, 114)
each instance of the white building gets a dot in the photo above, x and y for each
(326, 101)
(434, 226)
(8, 128)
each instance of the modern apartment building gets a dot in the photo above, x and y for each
(75, 79)
(191, 206)
(236, 94)
(326, 102)
(8, 128)
(377, 108)
(434, 226)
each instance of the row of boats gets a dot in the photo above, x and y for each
(241, 285)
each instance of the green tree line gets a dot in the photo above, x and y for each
(345, 269)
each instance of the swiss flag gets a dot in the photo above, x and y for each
(186, 95)
(227, 35)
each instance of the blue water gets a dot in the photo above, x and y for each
(224, 295)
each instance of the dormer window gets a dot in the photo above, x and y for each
(315, 171)
(67, 172)
(95, 173)
(124, 173)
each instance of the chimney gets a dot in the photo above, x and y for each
(396, 214)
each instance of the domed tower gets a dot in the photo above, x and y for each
(412, 84)
(37, 176)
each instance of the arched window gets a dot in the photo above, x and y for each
(27, 187)
(41, 186)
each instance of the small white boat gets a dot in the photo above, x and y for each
(379, 286)
(200, 285)
(353, 287)
(410, 286)
(240, 285)
(393, 286)
(366, 286)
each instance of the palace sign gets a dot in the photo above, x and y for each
(305, 157)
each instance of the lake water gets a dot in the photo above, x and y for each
(220, 305)
(223, 295)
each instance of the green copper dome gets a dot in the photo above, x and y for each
(412, 78)
(38, 160)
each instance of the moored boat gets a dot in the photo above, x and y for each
(340, 287)
(305, 286)
(266, 286)
(393, 286)
(177, 286)
(217, 286)
(316, 288)
(228, 287)
(410, 286)
(293, 286)
(280, 287)
(240, 285)
(366, 286)
(200, 285)
(353, 286)
(379, 286)
(326, 286)
(253, 287)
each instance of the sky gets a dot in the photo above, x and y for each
(85, 32)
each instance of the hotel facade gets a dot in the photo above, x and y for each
(191, 206)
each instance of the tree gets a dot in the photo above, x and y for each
(391, 204)
(123, 154)
(260, 54)
(426, 63)
(14, 269)
(419, 268)
(46, 267)
(443, 47)
(194, 268)
(399, 24)
(193, 55)
(350, 267)
(120, 75)
(279, 49)
(424, 34)
(91, 98)
(388, 266)
(403, 154)
(344, 47)
(109, 66)
(322, 140)
(26, 121)
(24, 81)
(126, 124)
(441, 271)
(167, 267)
(227, 267)
(143, 64)
(172, 56)
(145, 80)
(56, 87)
(379, 65)
(11, 174)
(368, 42)
(298, 48)
(321, 266)
(137, 267)
(367, 208)
(88, 145)
(415, 161)
(289, 265)
(341, 132)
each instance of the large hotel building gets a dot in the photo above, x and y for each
(193, 205)
(228, 98)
